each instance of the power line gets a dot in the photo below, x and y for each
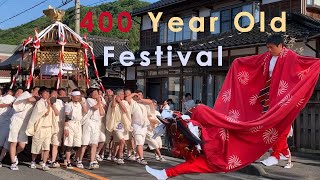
(64, 3)
(88, 5)
(97, 2)
(23, 11)
(61, 5)
(3, 2)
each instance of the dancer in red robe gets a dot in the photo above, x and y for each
(253, 112)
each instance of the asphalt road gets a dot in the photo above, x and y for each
(109, 170)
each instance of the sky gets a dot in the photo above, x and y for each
(9, 8)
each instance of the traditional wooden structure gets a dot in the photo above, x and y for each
(57, 56)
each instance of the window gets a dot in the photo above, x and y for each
(309, 2)
(218, 84)
(186, 30)
(313, 2)
(164, 89)
(225, 21)
(245, 20)
(141, 85)
(184, 34)
(174, 89)
(235, 11)
(170, 36)
(179, 35)
(210, 90)
(161, 32)
(187, 84)
(216, 23)
(146, 22)
(197, 88)
(256, 12)
(226, 17)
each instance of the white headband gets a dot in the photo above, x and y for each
(76, 93)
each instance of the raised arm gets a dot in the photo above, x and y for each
(122, 106)
(32, 99)
(55, 110)
(128, 98)
(145, 101)
(84, 107)
(113, 103)
(101, 109)
(4, 105)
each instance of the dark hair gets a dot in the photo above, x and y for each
(127, 89)
(19, 88)
(35, 87)
(76, 89)
(91, 90)
(82, 92)
(62, 89)
(53, 90)
(138, 91)
(187, 94)
(43, 89)
(13, 91)
(275, 39)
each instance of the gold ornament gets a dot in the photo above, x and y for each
(54, 14)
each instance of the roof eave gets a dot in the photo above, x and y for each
(142, 11)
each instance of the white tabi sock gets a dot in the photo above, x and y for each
(270, 161)
(159, 174)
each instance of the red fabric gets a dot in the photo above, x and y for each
(199, 165)
(281, 146)
(235, 131)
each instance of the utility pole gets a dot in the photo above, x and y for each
(77, 11)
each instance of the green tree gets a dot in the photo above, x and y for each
(17, 34)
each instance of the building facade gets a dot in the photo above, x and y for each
(6, 51)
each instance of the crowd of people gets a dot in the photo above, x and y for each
(64, 125)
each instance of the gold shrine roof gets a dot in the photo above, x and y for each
(51, 39)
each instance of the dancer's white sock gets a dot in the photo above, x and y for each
(159, 174)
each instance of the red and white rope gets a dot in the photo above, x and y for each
(36, 45)
(25, 43)
(62, 42)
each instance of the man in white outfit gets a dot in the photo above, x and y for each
(59, 109)
(92, 125)
(108, 142)
(140, 121)
(102, 136)
(130, 142)
(74, 112)
(22, 107)
(41, 127)
(5, 114)
(118, 122)
(154, 143)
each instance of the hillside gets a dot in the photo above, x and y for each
(17, 34)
